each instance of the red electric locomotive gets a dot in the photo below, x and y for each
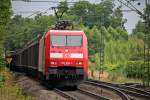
(63, 56)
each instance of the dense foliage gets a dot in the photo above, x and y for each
(24, 29)
(4, 17)
(102, 19)
(135, 69)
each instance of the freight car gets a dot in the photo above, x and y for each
(60, 57)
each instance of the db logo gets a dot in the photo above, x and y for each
(66, 55)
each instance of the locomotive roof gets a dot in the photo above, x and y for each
(67, 31)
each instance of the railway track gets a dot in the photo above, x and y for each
(82, 93)
(29, 83)
(75, 94)
(79, 94)
(124, 92)
(122, 95)
(132, 92)
(64, 94)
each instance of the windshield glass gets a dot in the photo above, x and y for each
(66, 40)
(58, 40)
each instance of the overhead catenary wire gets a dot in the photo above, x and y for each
(132, 7)
(139, 12)
(128, 10)
(51, 1)
(23, 12)
(39, 12)
(125, 4)
(33, 14)
(69, 3)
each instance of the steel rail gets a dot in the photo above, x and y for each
(126, 89)
(98, 97)
(118, 92)
(65, 94)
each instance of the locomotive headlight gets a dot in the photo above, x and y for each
(79, 63)
(53, 63)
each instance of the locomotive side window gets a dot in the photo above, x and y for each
(57, 40)
(74, 40)
(66, 40)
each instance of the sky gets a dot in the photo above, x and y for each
(32, 7)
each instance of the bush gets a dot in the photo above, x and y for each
(2, 80)
(135, 69)
(2, 62)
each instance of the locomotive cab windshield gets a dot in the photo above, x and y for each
(66, 40)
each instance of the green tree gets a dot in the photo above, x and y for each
(117, 18)
(105, 33)
(139, 30)
(140, 27)
(123, 34)
(79, 9)
(4, 18)
(113, 33)
(93, 14)
(93, 39)
(24, 29)
(63, 6)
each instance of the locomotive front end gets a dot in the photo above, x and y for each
(68, 57)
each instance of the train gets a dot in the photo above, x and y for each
(59, 57)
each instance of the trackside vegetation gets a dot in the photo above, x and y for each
(9, 89)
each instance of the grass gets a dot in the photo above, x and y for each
(120, 79)
(116, 77)
(9, 89)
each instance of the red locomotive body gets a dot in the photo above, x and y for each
(60, 57)
(66, 56)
